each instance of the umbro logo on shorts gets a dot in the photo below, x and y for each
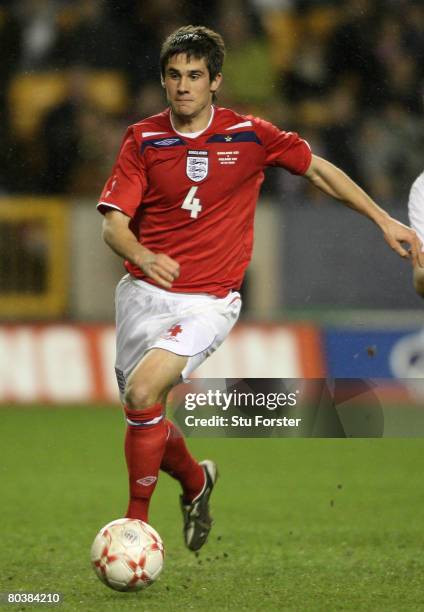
(146, 481)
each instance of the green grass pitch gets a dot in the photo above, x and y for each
(300, 524)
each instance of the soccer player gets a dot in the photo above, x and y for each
(416, 218)
(179, 208)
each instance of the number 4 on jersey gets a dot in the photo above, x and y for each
(191, 203)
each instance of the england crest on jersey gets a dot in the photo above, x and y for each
(197, 165)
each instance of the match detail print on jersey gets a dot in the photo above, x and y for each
(197, 165)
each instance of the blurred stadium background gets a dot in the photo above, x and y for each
(324, 295)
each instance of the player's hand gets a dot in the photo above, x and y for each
(396, 233)
(159, 267)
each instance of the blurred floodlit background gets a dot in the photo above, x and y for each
(347, 75)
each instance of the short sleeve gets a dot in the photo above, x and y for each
(416, 206)
(285, 149)
(124, 189)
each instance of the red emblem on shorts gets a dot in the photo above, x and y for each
(172, 333)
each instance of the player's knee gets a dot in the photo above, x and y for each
(140, 395)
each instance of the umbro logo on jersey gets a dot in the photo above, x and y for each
(166, 142)
(197, 165)
(159, 143)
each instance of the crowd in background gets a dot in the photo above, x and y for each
(347, 75)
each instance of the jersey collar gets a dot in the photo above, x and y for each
(193, 134)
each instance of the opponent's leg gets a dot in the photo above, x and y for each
(147, 432)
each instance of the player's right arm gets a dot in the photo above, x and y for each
(119, 237)
(119, 202)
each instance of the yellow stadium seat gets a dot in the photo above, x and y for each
(283, 30)
(322, 21)
(30, 96)
(107, 89)
(33, 94)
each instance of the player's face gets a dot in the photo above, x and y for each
(188, 86)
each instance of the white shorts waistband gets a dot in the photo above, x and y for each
(172, 294)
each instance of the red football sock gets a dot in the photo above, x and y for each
(180, 464)
(144, 447)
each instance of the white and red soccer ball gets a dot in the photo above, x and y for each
(127, 555)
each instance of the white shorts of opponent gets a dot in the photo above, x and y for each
(416, 207)
(189, 324)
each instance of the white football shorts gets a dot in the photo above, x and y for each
(416, 207)
(189, 324)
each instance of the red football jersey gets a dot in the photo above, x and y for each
(194, 198)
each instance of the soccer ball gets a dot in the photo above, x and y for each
(127, 555)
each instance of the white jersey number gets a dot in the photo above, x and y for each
(191, 203)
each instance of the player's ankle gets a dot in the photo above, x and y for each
(190, 495)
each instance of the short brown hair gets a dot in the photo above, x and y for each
(198, 42)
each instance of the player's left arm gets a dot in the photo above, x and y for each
(334, 182)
